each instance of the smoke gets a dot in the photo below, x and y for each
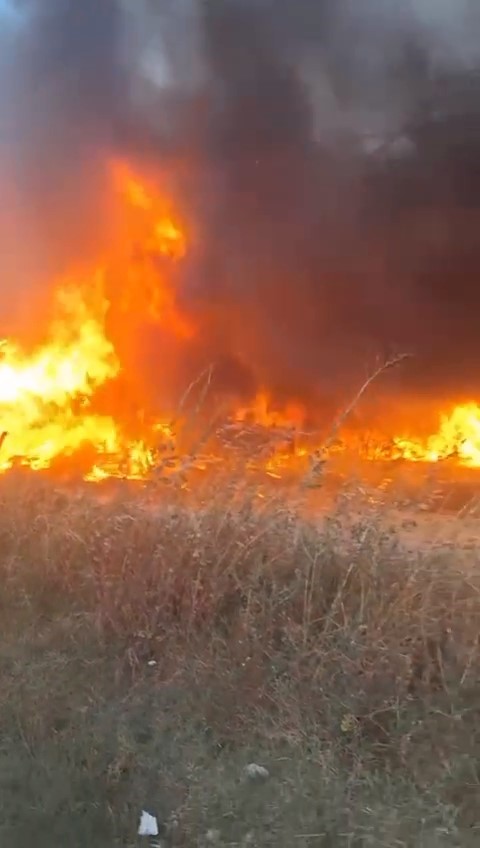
(323, 253)
(61, 88)
(326, 254)
(333, 153)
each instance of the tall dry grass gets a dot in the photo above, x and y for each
(150, 650)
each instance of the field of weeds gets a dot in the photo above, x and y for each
(149, 655)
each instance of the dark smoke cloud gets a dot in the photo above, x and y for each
(334, 152)
(328, 254)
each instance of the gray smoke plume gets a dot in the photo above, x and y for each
(61, 89)
(333, 151)
(327, 253)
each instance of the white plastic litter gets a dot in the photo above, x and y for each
(255, 772)
(148, 825)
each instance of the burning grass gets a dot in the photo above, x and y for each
(150, 652)
(79, 393)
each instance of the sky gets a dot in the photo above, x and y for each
(8, 11)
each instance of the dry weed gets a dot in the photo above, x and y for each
(151, 652)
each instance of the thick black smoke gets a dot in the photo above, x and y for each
(343, 145)
(333, 180)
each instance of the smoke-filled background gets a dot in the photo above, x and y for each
(328, 158)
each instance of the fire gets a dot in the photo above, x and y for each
(458, 436)
(165, 236)
(49, 395)
(73, 399)
(44, 396)
(264, 413)
(144, 254)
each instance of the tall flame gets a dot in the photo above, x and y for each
(48, 395)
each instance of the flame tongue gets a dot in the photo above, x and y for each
(49, 397)
(76, 360)
(45, 396)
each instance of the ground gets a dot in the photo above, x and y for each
(151, 650)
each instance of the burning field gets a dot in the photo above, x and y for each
(239, 423)
(204, 248)
(73, 397)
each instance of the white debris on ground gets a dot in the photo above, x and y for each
(256, 772)
(148, 825)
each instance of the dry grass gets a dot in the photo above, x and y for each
(148, 654)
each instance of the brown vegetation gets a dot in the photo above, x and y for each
(150, 653)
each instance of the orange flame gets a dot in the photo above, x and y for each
(265, 413)
(155, 242)
(458, 436)
(48, 396)
(64, 400)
